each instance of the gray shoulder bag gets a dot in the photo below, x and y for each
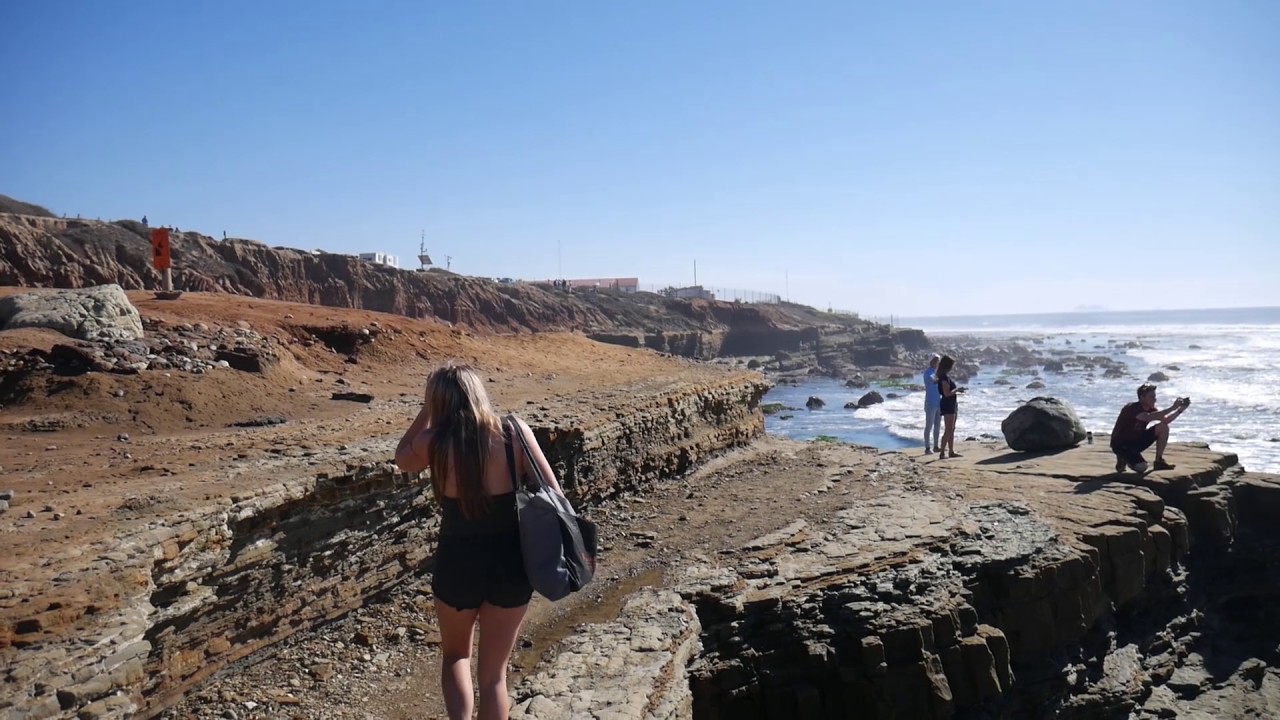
(558, 546)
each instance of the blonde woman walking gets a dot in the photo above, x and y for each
(479, 575)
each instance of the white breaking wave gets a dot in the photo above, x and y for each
(1230, 374)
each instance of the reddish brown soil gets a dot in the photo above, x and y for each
(180, 440)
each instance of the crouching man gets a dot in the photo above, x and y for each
(1132, 435)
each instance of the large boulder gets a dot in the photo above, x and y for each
(1042, 424)
(814, 402)
(86, 313)
(871, 398)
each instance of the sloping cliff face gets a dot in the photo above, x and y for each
(50, 252)
(47, 252)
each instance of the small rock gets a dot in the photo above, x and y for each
(30, 515)
(6, 494)
(123, 437)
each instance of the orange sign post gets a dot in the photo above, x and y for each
(161, 259)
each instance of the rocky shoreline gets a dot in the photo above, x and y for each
(1048, 587)
(1030, 587)
(283, 569)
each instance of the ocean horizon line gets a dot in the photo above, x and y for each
(1262, 314)
(1098, 311)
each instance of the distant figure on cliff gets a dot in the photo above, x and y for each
(947, 405)
(932, 406)
(1131, 435)
(144, 221)
(479, 571)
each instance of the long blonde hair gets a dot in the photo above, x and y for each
(464, 425)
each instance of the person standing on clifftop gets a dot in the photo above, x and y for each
(1131, 435)
(479, 574)
(947, 405)
(932, 405)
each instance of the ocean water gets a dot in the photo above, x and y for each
(1228, 362)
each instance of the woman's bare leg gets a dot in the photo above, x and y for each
(499, 628)
(949, 434)
(456, 633)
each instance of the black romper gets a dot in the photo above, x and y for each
(948, 404)
(478, 561)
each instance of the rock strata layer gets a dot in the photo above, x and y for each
(991, 587)
(201, 589)
(49, 252)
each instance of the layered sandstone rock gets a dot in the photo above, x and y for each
(49, 252)
(636, 665)
(982, 589)
(199, 589)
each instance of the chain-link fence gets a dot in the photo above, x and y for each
(704, 292)
(843, 312)
(708, 292)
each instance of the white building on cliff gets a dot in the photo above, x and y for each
(378, 258)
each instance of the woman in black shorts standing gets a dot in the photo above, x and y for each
(947, 390)
(479, 571)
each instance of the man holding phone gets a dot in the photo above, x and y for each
(1132, 435)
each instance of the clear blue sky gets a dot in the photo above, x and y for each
(918, 158)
